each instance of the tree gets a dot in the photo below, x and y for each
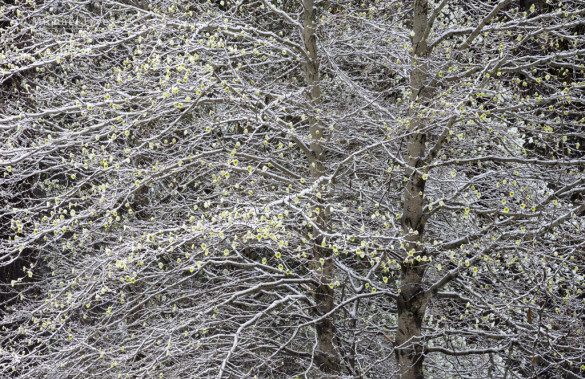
(317, 189)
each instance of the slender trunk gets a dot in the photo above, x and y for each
(326, 357)
(411, 302)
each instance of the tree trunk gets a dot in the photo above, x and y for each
(411, 303)
(326, 357)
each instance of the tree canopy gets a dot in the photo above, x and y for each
(310, 188)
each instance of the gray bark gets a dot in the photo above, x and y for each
(411, 302)
(327, 357)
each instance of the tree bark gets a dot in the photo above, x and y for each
(327, 358)
(411, 303)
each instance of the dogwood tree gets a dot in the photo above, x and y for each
(292, 189)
